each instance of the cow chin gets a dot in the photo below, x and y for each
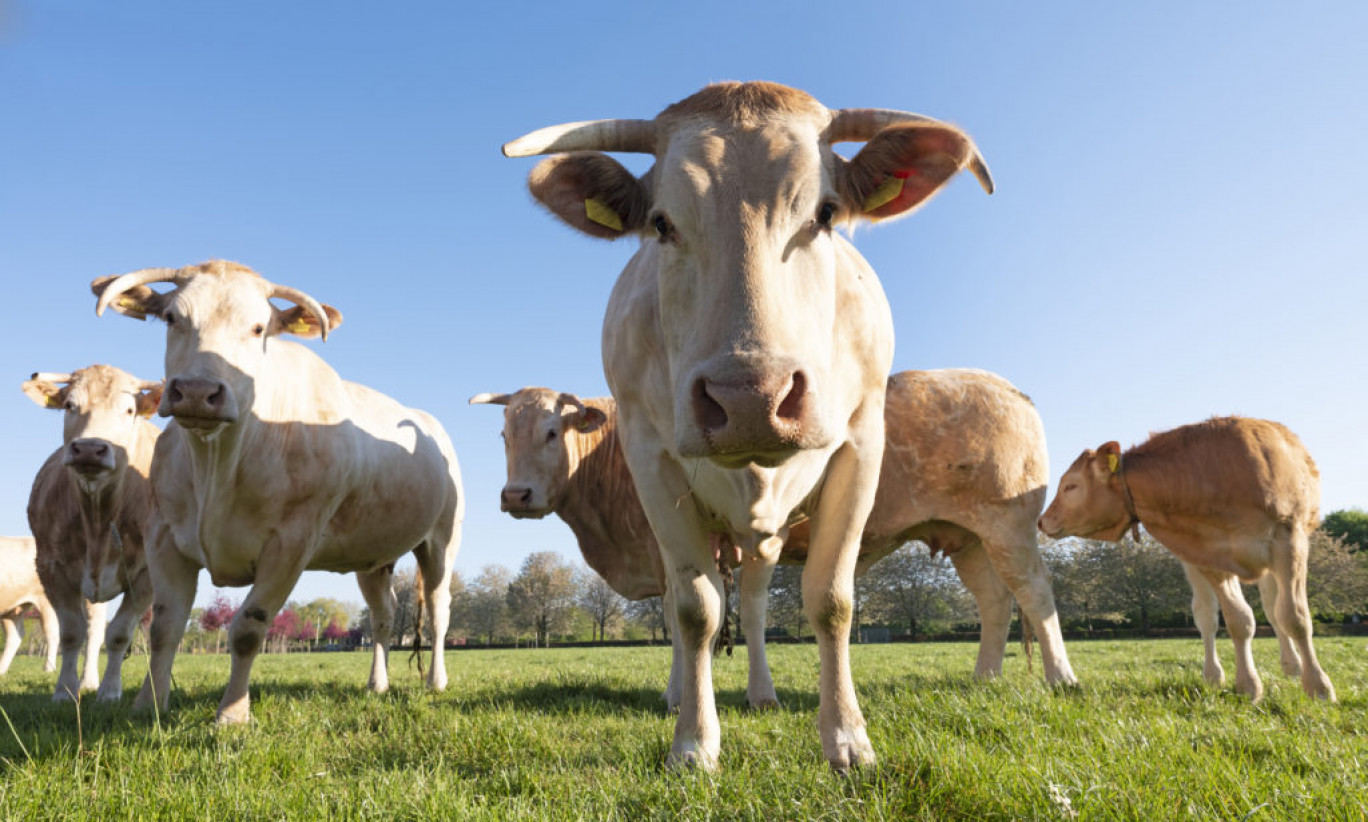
(769, 451)
(526, 512)
(205, 428)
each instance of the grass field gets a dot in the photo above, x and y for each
(581, 734)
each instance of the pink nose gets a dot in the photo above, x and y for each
(758, 412)
(515, 496)
(89, 453)
(194, 397)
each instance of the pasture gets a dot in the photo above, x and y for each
(580, 734)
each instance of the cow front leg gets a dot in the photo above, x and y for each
(698, 592)
(73, 625)
(14, 635)
(174, 579)
(94, 638)
(1206, 613)
(136, 600)
(377, 588)
(828, 594)
(756, 572)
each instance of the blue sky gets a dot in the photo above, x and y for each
(1180, 227)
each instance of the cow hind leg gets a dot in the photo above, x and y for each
(994, 601)
(1288, 657)
(1206, 613)
(1018, 562)
(14, 635)
(756, 572)
(435, 567)
(674, 688)
(377, 588)
(1294, 613)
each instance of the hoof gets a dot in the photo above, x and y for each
(768, 703)
(851, 750)
(691, 760)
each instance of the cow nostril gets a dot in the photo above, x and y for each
(791, 408)
(708, 412)
(526, 496)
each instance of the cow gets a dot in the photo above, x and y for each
(88, 512)
(20, 590)
(964, 470)
(747, 345)
(1235, 499)
(272, 464)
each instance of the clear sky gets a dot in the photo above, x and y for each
(1180, 228)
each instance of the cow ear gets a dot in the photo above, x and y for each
(491, 399)
(138, 302)
(901, 167)
(301, 322)
(592, 192)
(591, 420)
(1109, 455)
(46, 393)
(149, 398)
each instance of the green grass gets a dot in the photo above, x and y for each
(580, 734)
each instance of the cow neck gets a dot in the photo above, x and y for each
(599, 493)
(1127, 499)
(214, 465)
(99, 508)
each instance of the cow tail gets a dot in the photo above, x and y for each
(1027, 635)
(418, 621)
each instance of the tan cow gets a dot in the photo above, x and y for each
(88, 512)
(965, 470)
(273, 465)
(748, 344)
(20, 589)
(1234, 499)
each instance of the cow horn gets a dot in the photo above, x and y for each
(856, 125)
(131, 280)
(567, 398)
(491, 399)
(50, 376)
(637, 136)
(148, 385)
(299, 298)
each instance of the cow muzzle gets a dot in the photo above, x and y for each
(90, 457)
(198, 404)
(740, 413)
(517, 500)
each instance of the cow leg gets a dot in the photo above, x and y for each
(674, 689)
(1287, 651)
(1239, 620)
(95, 636)
(1207, 616)
(1019, 565)
(1294, 613)
(829, 588)
(72, 618)
(136, 600)
(14, 635)
(52, 635)
(756, 571)
(435, 565)
(377, 587)
(698, 593)
(174, 579)
(994, 600)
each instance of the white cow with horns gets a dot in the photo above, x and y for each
(273, 465)
(747, 345)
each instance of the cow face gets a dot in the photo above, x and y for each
(220, 324)
(541, 434)
(739, 214)
(102, 411)
(1090, 502)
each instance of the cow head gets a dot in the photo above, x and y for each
(103, 409)
(541, 443)
(742, 202)
(220, 322)
(1090, 502)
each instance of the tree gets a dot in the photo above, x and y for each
(1336, 576)
(541, 597)
(320, 613)
(216, 616)
(649, 613)
(1350, 525)
(1140, 579)
(786, 600)
(913, 587)
(456, 627)
(598, 599)
(283, 627)
(484, 606)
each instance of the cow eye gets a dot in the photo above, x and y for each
(825, 214)
(663, 228)
(169, 318)
(129, 412)
(258, 330)
(551, 435)
(69, 406)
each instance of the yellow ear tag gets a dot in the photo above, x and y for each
(598, 211)
(886, 193)
(1113, 462)
(300, 326)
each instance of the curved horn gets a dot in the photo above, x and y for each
(132, 280)
(50, 376)
(299, 298)
(637, 136)
(566, 398)
(490, 399)
(147, 385)
(856, 125)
